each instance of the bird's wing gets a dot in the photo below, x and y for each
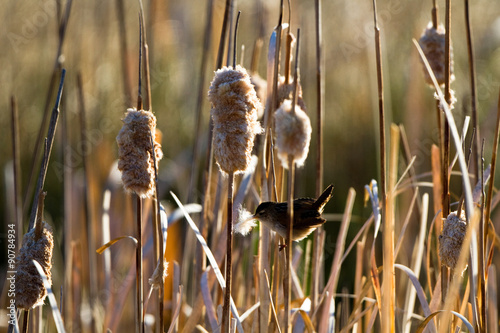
(306, 218)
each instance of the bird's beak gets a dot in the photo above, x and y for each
(253, 217)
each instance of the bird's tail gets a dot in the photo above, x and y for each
(323, 199)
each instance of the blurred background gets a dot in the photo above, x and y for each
(101, 44)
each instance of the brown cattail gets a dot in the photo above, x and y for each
(30, 291)
(234, 112)
(432, 43)
(134, 151)
(293, 133)
(451, 239)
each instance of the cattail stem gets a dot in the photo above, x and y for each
(87, 201)
(287, 274)
(481, 296)
(226, 315)
(25, 321)
(18, 212)
(139, 324)
(388, 302)
(39, 216)
(291, 181)
(38, 145)
(158, 235)
(199, 102)
(48, 148)
(210, 151)
(120, 10)
(288, 56)
(473, 92)
(446, 140)
(319, 141)
(235, 38)
(435, 18)
(200, 257)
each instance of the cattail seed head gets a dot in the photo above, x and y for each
(134, 151)
(293, 133)
(156, 279)
(30, 291)
(260, 86)
(432, 43)
(451, 239)
(234, 112)
(285, 91)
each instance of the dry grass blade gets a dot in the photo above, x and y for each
(249, 311)
(113, 241)
(489, 196)
(339, 250)
(177, 310)
(274, 316)
(419, 249)
(211, 258)
(422, 326)
(307, 321)
(53, 304)
(405, 224)
(419, 291)
(207, 298)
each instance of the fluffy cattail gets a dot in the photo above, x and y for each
(260, 86)
(452, 100)
(134, 151)
(234, 112)
(432, 43)
(451, 239)
(293, 133)
(30, 291)
(245, 222)
(156, 279)
(285, 91)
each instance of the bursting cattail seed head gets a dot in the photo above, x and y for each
(30, 291)
(234, 113)
(285, 91)
(134, 151)
(293, 133)
(432, 43)
(156, 279)
(451, 239)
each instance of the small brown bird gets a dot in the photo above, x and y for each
(306, 215)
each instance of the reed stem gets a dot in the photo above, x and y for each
(288, 268)
(18, 210)
(139, 324)
(49, 140)
(473, 92)
(446, 142)
(226, 314)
